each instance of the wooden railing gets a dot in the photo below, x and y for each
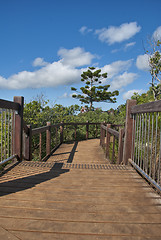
(11, 115)
(144, 123)
(40, 143)
(138, 143)
(112, 141)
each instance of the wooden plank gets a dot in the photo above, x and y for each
(39, 130)
(9, 105)
(147, 107)
(113, 132)
(128, 131)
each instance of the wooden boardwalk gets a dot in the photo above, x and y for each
(77, 195)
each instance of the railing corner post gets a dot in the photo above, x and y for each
(120, 149)
(128, 131)
(28, 144)
(18, 136)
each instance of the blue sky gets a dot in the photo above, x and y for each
(46, 44)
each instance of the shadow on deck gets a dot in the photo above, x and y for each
(76, 195)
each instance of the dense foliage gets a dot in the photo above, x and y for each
(93, 91)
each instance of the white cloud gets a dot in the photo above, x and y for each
(65, 71)
(142, 62)
(129, 93)
(119, 34)
(75, 57)
(157, 34)
(122, 80)
(85, 30)
(129, 45)
(39, 62)
(116, 68)
(62, 72)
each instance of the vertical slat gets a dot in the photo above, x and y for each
(145, 137)
(155, 159)
(142, 140)
(152, 135)
(113, 149)
(107, 140)
(1, 135)
(120, 150)
(139, 140)
(8, 137)
(5, 133)
(48, 139)
(147, 162)
(133, 138)
(159, 156)
(40, 146)
(11, 133)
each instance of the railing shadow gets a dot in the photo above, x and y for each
(31, 181)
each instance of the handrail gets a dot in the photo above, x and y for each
(150, 107)
(9, 105)
(106, 132)
(59, 130)
(11, 116)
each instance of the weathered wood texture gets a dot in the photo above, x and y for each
(18, 131)
(147, 107)
(9, 105)
(128, 131)
(86, 199)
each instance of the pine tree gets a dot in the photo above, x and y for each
(94, 91)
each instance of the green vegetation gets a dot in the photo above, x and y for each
(93, 90)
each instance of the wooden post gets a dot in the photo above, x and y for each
(120, 149)
(28, 144)
(128, 131)
(40, 146)
(113, 149)
(18, 136)
(101, 135)
(107, 140)
(87, 129)
(61, 132)
(48, 139)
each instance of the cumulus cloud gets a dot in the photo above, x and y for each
(142, 62)
(84, 30)
(122, 80)
(129, 93)
(75, 57)
(119, 34)
(116, 67)
(67, 71)
(39, 62)
(157, 34)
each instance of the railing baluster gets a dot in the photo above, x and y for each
(1, 135)
(139, 142)
(152, 135)
(145, 142)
